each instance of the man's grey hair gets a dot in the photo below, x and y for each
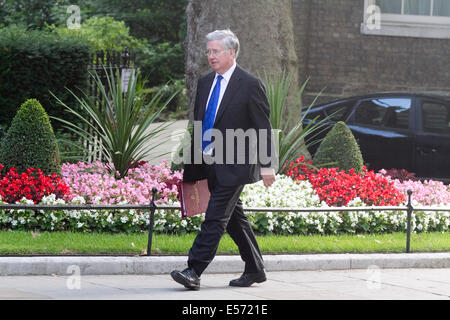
(229, 39)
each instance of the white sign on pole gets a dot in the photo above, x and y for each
(127, 74)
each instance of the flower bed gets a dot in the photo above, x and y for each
(286, 193)
(426, 193)
(91, 184)
(31, 185)
(337, 187)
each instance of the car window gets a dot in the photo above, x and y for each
(436, 117)
(339, 112)
(384, 112)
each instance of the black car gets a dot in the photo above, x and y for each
(396, 130)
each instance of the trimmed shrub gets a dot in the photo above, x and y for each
(30, 141)
(339, 149)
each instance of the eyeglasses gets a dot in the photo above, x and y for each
(214, 53)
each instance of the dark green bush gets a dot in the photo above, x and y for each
(30, 141)
(177, 108)
(339, 149)
(32, 63)
(161, 62)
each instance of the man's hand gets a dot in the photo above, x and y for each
(268, 176)
(268, 180)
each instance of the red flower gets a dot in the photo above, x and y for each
(338, 188)
(31, 184)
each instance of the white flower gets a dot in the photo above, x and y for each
(109, 219)
(78, 200)
(49, 199)
(97, 200)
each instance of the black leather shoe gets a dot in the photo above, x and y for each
(247, 279)
(187, 278)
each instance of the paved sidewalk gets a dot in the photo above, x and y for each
(367, 284)
(144, 265)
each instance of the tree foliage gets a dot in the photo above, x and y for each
(102, 33)
(33, 14)
(155, 20)
(152, 29)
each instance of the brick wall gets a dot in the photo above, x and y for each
(337, 57)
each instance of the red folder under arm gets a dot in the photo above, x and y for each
(194, 197)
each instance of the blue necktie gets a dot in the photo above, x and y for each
(210, 114)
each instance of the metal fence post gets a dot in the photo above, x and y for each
(152, 222)
(125, 57)
(408, 225)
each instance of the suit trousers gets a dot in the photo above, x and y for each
(224, 213)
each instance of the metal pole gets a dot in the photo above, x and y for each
(408, 226)
(152, 221)
(125, 57)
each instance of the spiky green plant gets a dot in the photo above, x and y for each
(291, 136)
(121, 121)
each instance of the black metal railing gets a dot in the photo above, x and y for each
(152, 207)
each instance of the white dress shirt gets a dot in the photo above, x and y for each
(223, 85)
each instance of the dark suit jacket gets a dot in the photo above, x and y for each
(244, 105)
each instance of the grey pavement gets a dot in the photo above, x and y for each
(145, 265)
(312, 277)
(354, 284)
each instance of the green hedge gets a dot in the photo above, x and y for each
(32, 63)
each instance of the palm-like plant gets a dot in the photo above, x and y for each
(290, 138)
(120, 121)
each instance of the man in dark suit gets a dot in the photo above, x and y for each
(231, 104)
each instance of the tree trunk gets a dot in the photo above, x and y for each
(264, 29)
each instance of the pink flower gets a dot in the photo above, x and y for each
(92, 179)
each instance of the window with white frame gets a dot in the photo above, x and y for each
(409, 18)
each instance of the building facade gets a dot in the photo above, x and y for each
(351, 47)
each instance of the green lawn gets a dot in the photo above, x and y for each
(67, 243)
